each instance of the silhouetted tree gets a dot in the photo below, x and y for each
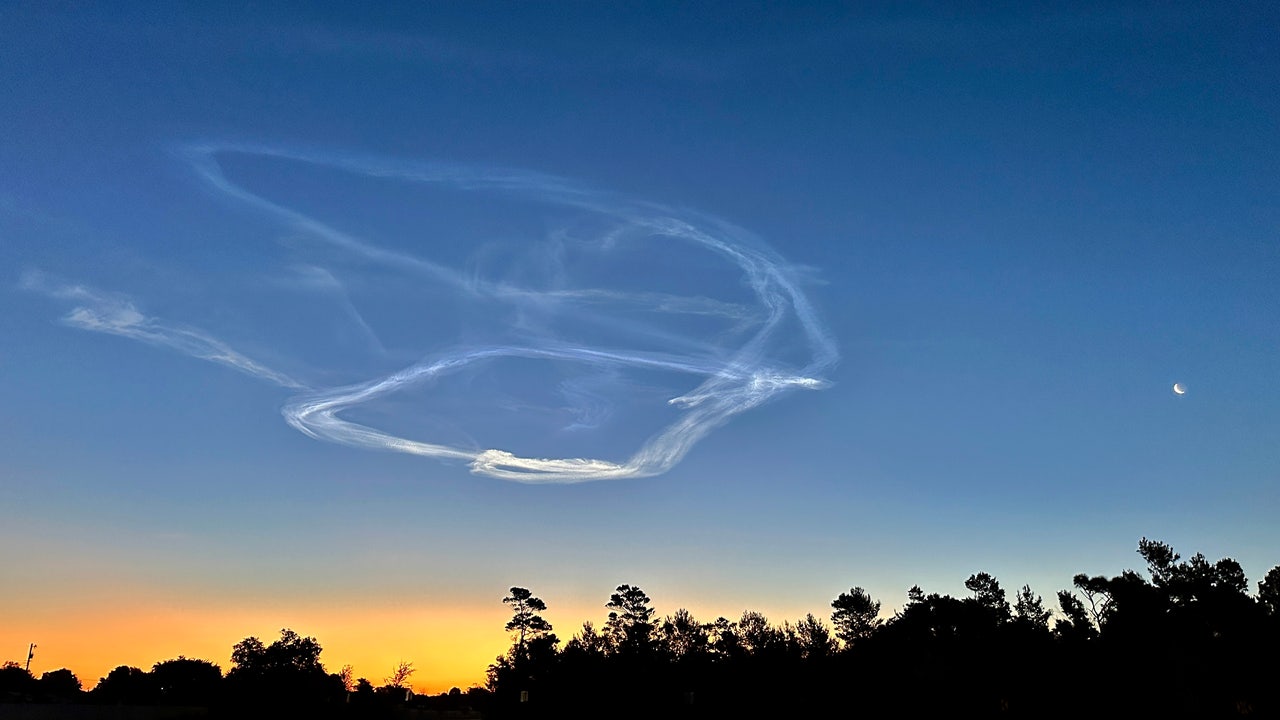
(1097, 592)
(1193, 580)
(533, 655)
(363, 696)
(812, 638)
(725, 641)
(587, 643)
(1075, 624)
(291, 652)
(1029, 610)
(1184, 640)
(1160, 561)
(525, 620)
(399, 677)
(915, 594)
(1269, 591)
(756, 635)
(347, 678)
(855, 616)
(1208, 600)
(187, 681)
(683, 636)
(60, 684)
(125, 686)
(16, 684)
(1192, 619)
(578, 672)
(287, 670)
(630, 625)
(989, 596)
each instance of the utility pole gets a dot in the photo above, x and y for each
(31, 652)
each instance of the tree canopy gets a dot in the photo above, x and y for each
(525, 620)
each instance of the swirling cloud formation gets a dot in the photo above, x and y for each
(629, 301)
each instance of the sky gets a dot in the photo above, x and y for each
(349, 318)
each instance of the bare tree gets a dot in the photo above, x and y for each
(347, 678)
(399, 677)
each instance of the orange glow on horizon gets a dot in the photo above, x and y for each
(449, 647)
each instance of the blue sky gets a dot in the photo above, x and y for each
(989, 242)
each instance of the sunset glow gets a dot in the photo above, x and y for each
(349, 318)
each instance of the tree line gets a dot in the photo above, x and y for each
(285, 675)
(1188, 639)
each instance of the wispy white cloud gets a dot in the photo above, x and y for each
(116, 314)
(724, 378)
(313, 277)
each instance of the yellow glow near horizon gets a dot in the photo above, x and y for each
(449, 647)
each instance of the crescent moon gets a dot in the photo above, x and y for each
(1177, 388)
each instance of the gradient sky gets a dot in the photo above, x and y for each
(919, 282)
